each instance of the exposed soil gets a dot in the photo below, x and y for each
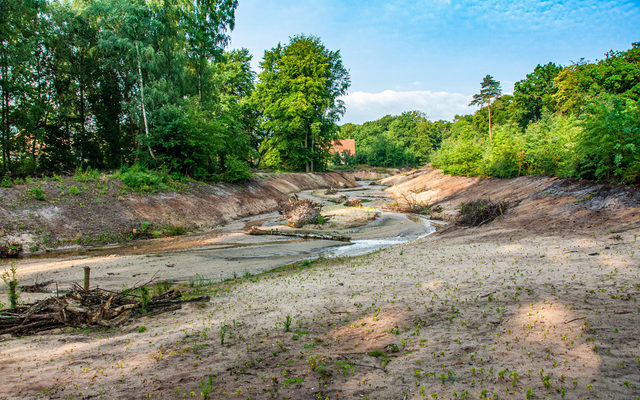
(103, 211)
(540, 303)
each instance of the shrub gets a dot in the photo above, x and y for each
(142, 180)
(460, 157)
(236, 171)
(73, 190)
(86, 175)
(6, 182)
(609, 147)
(479, 212)
(36, 192)
(9, 278)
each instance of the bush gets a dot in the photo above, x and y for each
(609, 148)
(479, 212)
(6, 181)
(460, 157)
(86, 175)
(36, 192)
(236, 171)
(142, 180)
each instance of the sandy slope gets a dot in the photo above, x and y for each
(544, 298)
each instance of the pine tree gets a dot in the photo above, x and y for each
(489, 90)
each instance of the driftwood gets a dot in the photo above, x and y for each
(301, 212)
(303, 235)
(81, 308)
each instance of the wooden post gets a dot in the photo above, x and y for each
(87, 273)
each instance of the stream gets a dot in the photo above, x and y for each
(227, 251)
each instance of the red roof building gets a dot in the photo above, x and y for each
(343, 146)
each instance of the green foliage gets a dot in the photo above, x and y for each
(6, 181)
(142, 180)
(9, 278)
(460, 156)
(36, 192)
(111, 82)
(610, 145)
(73, 190)
(578, 121)
(535, 93)
(86, 175)
(145, 299)
(298, 92)
(395, 141)
(206, 387)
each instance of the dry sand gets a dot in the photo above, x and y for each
(543, 307)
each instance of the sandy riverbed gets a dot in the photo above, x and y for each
(511, 309)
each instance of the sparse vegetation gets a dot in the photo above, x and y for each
(10, 279)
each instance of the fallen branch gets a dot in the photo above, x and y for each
(575, 319)
(303, 235)
(336, 312)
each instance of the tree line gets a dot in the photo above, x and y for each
(107, 84)
(581, 120)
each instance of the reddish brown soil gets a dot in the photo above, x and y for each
(105, 212)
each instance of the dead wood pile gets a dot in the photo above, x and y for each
(82, 308)
(480, 212)
(353, 203)
(301, 212)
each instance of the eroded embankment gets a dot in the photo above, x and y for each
(536, 202)
(102, 211)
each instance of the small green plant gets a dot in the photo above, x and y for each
(529, 395)
(142, 329)
(206, 387)
(142, 180)
(6, 182)
(10, 279)
(321, 219)
(287, 324)
(86, 175)
(73, 190)
(145, 299)
(175, 230)
(36, 192)
(222, 333)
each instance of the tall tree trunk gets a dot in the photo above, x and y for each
(200, 83)
(5, 110)
(4, 117)
(490, 133)
(83, 133)
(144, 111)
(312, 155)
(306, 146)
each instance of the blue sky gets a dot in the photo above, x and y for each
(431, 55)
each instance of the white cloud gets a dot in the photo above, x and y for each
(364, 106)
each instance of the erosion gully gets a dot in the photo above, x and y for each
(228, 251)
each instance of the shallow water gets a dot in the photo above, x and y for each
(366, 246)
